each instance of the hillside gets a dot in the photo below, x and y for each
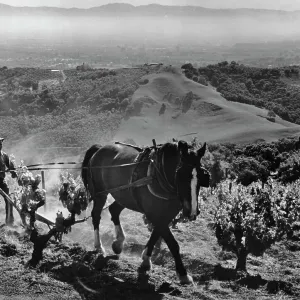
(50, 117)
(42, 110)
(210, 118)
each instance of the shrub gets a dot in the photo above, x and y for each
(124, 103)
(289, 170)
(248, 170)
(216, 171)
(249, 223)
(202, 80)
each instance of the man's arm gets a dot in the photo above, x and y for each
(10, 165)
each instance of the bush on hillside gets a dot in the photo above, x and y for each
(202, 80)
(289, 171)
(124, 104)
(250, 222)
(248, 170)
(213, 163)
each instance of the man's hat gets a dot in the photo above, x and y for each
(1, 139)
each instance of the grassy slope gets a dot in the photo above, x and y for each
(214, 118)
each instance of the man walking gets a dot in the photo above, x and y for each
(5, 164)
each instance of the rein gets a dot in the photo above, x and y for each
(78, 168)
(163, 177)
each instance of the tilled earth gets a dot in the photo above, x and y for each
(72, 270)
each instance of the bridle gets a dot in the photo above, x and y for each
(162, 178)
(181, 165)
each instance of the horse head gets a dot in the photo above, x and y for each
(190, 175)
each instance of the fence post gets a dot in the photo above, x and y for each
(43, 187)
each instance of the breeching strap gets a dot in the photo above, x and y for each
(138, 183)
(78, 168)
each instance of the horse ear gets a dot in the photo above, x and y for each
(175, 140)
(183, 147)
(201, 151)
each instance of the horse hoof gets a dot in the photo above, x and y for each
(185, 279)
(146, 265)
(117, 247)
(101, 251)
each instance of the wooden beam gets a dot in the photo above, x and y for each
(38, 216)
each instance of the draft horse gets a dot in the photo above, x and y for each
(175, 174)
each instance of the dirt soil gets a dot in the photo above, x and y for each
(73, 270)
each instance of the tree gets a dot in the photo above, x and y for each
(124, 103)
(188, 66)
(271, 114)
(202, 80)
(214, 81)
(195, 78)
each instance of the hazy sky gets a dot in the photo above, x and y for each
(267, 4)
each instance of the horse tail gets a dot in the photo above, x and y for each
(84, 168)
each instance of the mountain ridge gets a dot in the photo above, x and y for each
(142, 10)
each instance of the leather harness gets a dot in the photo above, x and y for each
(149, 171)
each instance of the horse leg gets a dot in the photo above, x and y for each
(9, 219)
(169, 238)
(99, 203)
(115, 210)
(146, 255)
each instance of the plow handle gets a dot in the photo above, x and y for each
(44, 187)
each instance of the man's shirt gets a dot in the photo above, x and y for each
(4, 163)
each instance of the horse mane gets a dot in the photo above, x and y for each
(169, 152)
(169, 147)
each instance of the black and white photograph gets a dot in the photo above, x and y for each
(149, 149)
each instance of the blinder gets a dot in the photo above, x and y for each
(205, 178)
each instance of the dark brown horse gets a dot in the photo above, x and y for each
(175, 174)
